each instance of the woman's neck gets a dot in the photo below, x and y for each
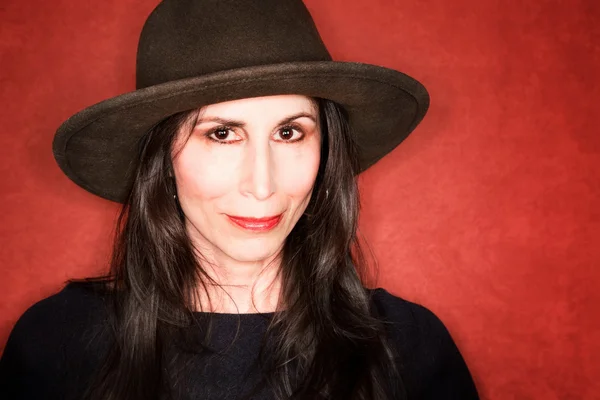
(243, 288)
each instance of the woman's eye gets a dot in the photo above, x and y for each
(287, 134)
(220, 134)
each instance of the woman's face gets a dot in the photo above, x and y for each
(249, 158)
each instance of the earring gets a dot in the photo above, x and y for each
(327, 193)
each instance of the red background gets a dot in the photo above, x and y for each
(488, 214)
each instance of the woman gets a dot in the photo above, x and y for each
(236, 272)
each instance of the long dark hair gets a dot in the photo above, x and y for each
(328, 342)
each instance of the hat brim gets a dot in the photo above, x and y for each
(97, 146)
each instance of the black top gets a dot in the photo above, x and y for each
(53, 345)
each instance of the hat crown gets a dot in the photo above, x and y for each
(187, 38)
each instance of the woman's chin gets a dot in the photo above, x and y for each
(252, 250)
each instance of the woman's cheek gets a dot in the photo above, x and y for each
(207, 175)
(297, 172)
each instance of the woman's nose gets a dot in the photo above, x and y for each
(258, 171)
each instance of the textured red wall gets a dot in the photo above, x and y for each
(488, 214)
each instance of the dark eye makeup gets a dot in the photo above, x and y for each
(224, 131)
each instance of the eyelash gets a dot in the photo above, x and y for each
(291, 127)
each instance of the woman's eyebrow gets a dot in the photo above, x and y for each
(241, 124)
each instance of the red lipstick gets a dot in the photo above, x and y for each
(256, 224)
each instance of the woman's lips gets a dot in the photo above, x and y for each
(256, 224)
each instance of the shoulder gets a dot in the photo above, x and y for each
(73, 308)
(73, 299)
(427, 356)
(408, 322)
(403, 312)
(52, 336)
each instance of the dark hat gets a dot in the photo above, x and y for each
(198, 52)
